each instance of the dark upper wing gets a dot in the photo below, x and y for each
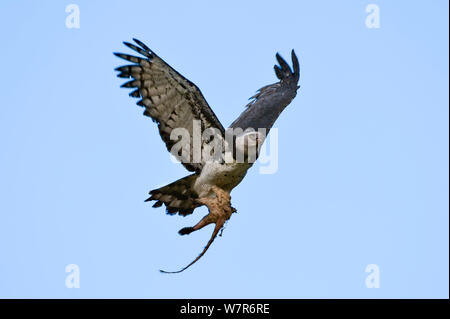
(270, 100)
(168, 98)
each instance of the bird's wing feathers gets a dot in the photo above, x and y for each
(168, 98)
(267, 104)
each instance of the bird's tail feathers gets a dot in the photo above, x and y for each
(178, 197)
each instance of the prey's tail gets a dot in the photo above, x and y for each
(220, 211)
(178, 197)
(218, 226)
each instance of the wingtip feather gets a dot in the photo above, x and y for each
(295, 65)
(284, 70)
(142, 45)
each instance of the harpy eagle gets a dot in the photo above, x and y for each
(219, 159)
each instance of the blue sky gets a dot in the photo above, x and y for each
(363, 151)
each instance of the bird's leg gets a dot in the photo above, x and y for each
(206, 220)
(220, 211)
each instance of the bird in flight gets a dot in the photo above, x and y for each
(218, 158)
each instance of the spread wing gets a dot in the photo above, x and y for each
(271, 100)
(169, 99)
